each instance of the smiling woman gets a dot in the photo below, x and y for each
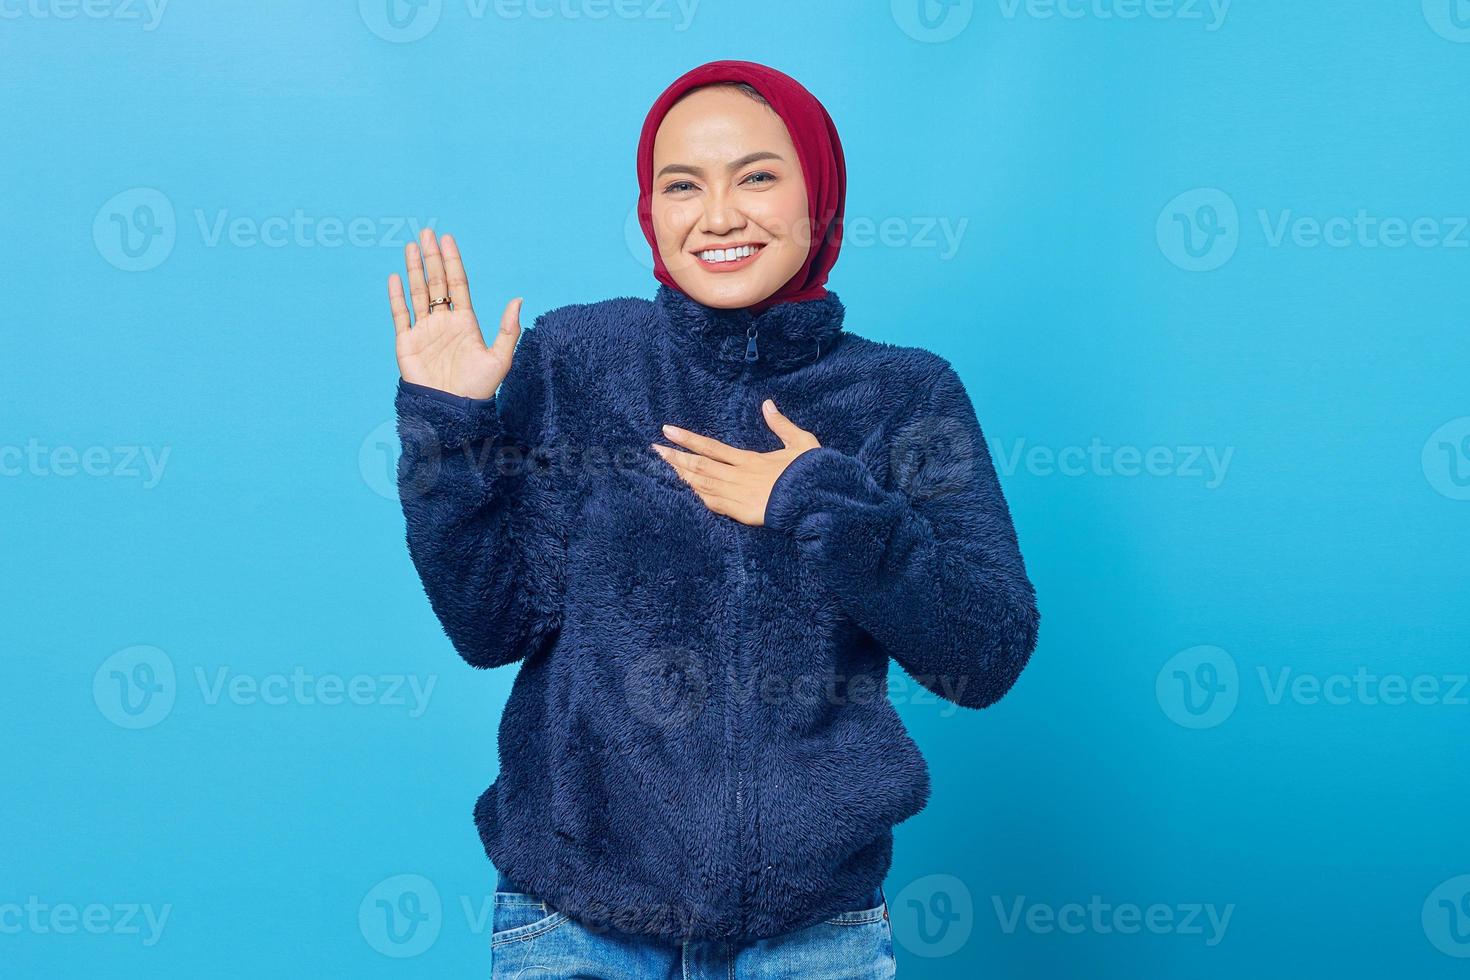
(713, 217)
(728, 193)
(700, 766)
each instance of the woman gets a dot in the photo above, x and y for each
(699, 764)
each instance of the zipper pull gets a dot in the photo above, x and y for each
(750, 352)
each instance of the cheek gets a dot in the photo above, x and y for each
(783, 213)
(671, 225)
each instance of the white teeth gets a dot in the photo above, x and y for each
(727, 254)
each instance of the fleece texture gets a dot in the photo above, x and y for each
(699, 743)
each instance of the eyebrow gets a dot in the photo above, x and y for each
(749, 158)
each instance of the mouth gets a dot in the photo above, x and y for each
(730, 258)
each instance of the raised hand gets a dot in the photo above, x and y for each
(442, 346)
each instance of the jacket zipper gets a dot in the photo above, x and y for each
(737, 690)
(752, 354)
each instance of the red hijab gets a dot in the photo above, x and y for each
(818, 150)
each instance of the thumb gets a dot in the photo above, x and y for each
(788, 431)
(510, 328)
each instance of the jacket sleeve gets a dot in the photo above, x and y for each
(930, 569)
(481, 509)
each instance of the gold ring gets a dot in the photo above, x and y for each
(441, 301)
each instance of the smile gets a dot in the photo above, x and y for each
(728, 259)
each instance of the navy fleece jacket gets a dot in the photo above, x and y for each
(699, 743)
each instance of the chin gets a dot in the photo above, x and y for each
(732, 296)
(727, 292)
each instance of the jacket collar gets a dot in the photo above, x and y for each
(782, 338)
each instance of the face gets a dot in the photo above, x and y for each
(726, 177)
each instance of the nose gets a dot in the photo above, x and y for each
(720, 215)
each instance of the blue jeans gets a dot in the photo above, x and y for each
(529, 940)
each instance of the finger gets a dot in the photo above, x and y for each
(698, 471)
(419, 292)
(709, 490)
(717, 504)
(704, 445)
(398, 304)
(720, 504)
(459, 283)
(510, 328)
(434, 266)
(786, 430)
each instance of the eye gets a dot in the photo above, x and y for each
(678, 186)
(770, 177)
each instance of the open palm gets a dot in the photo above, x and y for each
(441, 345)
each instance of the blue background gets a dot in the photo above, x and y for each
(1113, 188)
